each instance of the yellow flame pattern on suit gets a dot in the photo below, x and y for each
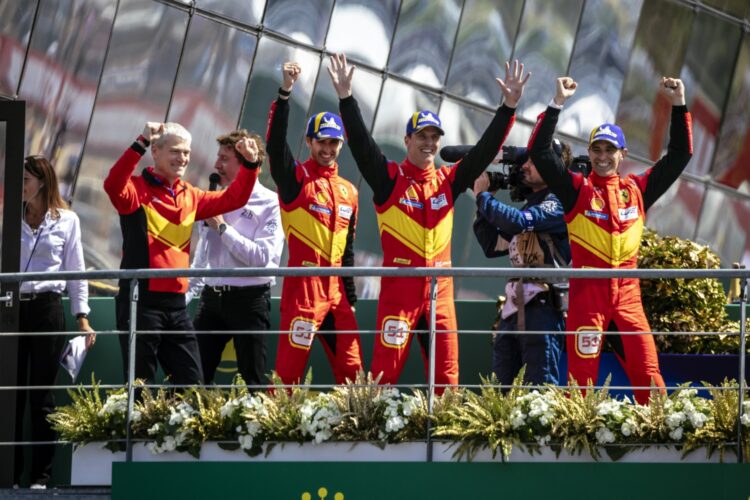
(611, 248)
(169, 233)
(326, 243)
(428, 243)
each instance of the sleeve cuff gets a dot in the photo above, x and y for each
(250, 165)
(553, 104)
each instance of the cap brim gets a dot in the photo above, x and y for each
(442, 132)
(605, 139)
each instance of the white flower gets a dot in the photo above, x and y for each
(675, 419)
(246, 441)
(604, 436)
(676, 434)
(697, 419)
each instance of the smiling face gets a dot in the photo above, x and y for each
(227, 164)
(606, 158)
(422, 146)
(171, 158)
(324, 151)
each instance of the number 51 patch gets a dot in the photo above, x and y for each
(588, 342)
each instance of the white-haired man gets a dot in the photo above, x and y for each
(157, 211)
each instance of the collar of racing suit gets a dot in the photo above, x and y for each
(324, 171)
(411, 171)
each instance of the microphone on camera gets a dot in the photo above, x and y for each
(452, 154)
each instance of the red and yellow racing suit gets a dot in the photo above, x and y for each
(318, 213)
(605, 217)
(415, 219)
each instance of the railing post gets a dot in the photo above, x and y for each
(131, 368)
(431, 364)
(743, 348)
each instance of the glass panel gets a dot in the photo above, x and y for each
(643, 117)
(363, 30)
(16, 19)
(263, 90)
(3, 128)
(424, 40)
(725, 226)
(366, 88)
(245, 11)
(135, 87)
(733, 154)
(708, 72)
(305, 22)
(605, 37)
(209, 90)
(59, 84)
(676, 213)
(544, 43)
(737, 8)
(484, 43)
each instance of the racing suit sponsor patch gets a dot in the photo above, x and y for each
(629, 213)
(303, 332)
(411, 203)
(321, 209)
(438, 202)
(395, 332)
(596, 215)
(588, 343)
(345, 211)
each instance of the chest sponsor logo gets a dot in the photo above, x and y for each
(411, 203)
(246, 213)
(320, 209)
(596, 215)
(625, 196)
(411, 193)
(271, 227)
(321, 197)
(345, 211)
(597, 204)
(438, 202)
(344, 191)
(630, 213)
(399, 260)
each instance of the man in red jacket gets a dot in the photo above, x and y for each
(605, 213)
(157, 211)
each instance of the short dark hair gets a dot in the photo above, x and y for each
(235, 136)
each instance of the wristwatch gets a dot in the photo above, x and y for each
(222, 227)
(82, 315)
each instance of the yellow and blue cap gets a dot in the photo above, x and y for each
(608, 132)
(423, 119)
(325, 125)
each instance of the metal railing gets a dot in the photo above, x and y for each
(432, 273)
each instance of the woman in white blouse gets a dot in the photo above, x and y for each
(50, 242)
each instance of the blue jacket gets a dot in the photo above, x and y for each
(542, 213)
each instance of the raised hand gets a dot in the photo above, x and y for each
(481, 184)
(513, 84)
(341, 75)
(152, 130)
(248, 149)
(673, 89)
(290, 71)
(565, 87)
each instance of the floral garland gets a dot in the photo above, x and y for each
(364, 411)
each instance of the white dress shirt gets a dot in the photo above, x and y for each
(253, 238)
(55, 246)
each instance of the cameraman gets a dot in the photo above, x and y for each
(534, 236)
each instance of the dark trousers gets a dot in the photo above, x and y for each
(239, 308)
(540, 353)
(38, 360)
(176, 352)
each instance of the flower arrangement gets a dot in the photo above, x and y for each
(554, 417)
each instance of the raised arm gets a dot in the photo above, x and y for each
(478, 157)
(280, 157)
(370, 159)
(680, 148)
(547, 162)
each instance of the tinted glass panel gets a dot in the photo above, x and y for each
(16, 19)
(245, 11)
(544, 43)
(363, 30)
(263, 90)
(643, 115)
(733, 154)
(210, 87)
(59, 84)
(708, 68)
(484, 43)
(600, 58)
(677, 211)
(305, 22)
(725, 226)
(424, 39)
(737, 8)
(135, 88)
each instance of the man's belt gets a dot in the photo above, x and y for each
(231, 289)
(40, 296)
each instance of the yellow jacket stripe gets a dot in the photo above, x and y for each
(427, 243)
(611, 248)
(303, 225)
(169, 233)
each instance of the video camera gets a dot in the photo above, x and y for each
(511, 160)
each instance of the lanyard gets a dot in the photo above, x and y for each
(36, 241)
